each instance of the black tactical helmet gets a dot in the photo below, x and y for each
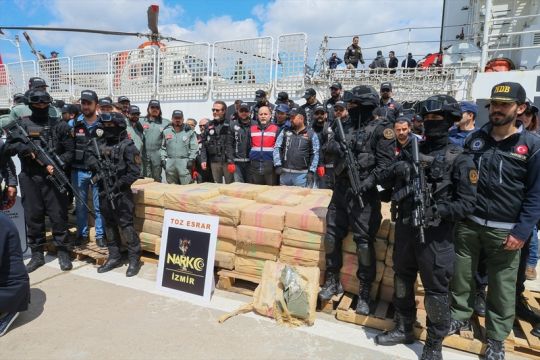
(441, 104)
(113, 119)
(38, 96)
(362, 95)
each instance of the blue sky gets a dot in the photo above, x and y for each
(209, 21)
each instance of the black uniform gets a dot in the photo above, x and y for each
(448, 174)
(39, 195)
(326, 157)
(8, 172)
(238, 147)
(329, 106)
(309, 109)
(373, 145)
(213, 151)
(126, 161)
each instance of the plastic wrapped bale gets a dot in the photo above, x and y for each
(316, 201)
(152, 194)
(148, 226)
(311, 219)
(226, 245)
(244, 190)
(257, 251)
(380, 246)
(351, 284)
(248, 265)
(264, 216)
(259, 236)
(226, 207)
(326, 192)
(389, 260)
(392, 233)
(384, 229)
(227, 232)
(303, 257)
(188, 198)
(149, 212)
(350, 266)
(224, 260)
(278, 196)
(150, 242)
(303, 239)
(143, 181)
(388, 276)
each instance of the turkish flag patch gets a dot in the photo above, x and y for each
(522, 149)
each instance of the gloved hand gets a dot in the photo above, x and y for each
(366, 185)
(164, 164)
(432, 215)
(321, 171)
(189, 165)
(310, 179)
(278, 170)
(24, 150)
(402, 171)
(231, 168)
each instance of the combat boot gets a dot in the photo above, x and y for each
(494, 350)
(133, 267)
(64, 260)
(113, 261)
(100, 241)
(401, 334)
(37, 260)
(432, 349)
(457, 326)
(524, 312)
(331, 287)
(362, 306)
(536, 331)
(480, 303)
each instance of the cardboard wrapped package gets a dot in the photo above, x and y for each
(248, 265)
(152, 194)
(206, 185)
(386, 293)
(148, 226)
(384, 230)
(143, 181)
(316, 201)
(150, 242)
(303, 239)
(226, 245)
(257, 251)
(259, 236)
(264, 215)
(149, 213)
(187, 198)
(388, 276)
(350, 266)
(308, 218)
(303, 257)
(352, 284)
(302, 191)
(224, 260)
(327, 192)
(389, 260)
(380, 246)
(227, 232)
(279, 196)
(243, 190)
(226, 207)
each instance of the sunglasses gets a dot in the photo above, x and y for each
(385, 90)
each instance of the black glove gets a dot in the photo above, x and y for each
(164, 164)
(278, 170)
(366, 185)
(310, 179)
(402, 171)
(24, 150)
(189, 165)
(433, 218)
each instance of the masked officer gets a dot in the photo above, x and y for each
(371, 142)
(239, 144)
(40, 196)
(311, 103)
(507, 209)
(153, 124)
(8, 173)
(125, 161)
(214, 153)
(84, 129)
(450, 189)
(179, 150)
(263, 138)
(323, 129)
(296, 153)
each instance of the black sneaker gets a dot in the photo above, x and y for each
(456, 326)
(6, 320)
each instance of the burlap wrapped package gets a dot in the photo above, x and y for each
(149, 212)
(311, 219)
(224, 260)
(350, 266)
(206, 185)
(226, 207)
(295, 190)
(150, 242)
(187, 198)
(152, 194)
(248, 265)
(257, 251)
(226, 245)
(227, 232)
(259, 236)
(148, 226)
(380, 246)
(303, 239)
(326, 192)
(264, 215)
(143, 181)
(389, 260)
(384, 230)
(278, 196)
(303, 257)
(388, 276)
(316, 201)
(243, 190)
(351, 284)
(386, 293)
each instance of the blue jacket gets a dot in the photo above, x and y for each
(458, 136)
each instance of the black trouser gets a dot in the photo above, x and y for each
(242, 171)
(344, 211)
(435, 262)
(327, 181)
(39, 198)
(262, 173)
(119, 224)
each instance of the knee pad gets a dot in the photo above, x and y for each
(437, 308)
(364, 253)
(400, 287)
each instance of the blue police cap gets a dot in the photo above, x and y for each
(467, 106)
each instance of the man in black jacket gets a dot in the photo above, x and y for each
(239, 144)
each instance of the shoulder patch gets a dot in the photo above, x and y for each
(477, 144)
(389, 134)
(473, 176)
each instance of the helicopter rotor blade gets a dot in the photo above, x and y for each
(153, 14)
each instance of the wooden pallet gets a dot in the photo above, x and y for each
(91, 252)
(382, 318)
(527, 344)
(330, 306)
(230, 280)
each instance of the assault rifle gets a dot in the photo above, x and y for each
(352, 165)
(420, 192)
(45, 157)
(106, 173)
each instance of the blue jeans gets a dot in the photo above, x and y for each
(81, 182)
(293, 179)
(532, 260)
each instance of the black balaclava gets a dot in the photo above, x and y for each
(40, 115)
